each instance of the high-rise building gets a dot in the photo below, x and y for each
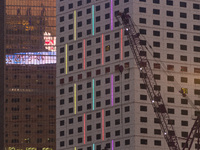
(102, 101)
(2, 61)
(30, 62)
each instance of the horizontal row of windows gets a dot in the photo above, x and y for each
(97, 147)
(98, 7)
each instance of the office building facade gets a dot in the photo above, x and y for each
(101, 99)
(30, 61)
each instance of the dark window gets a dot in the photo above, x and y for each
(196, 38)
(142, 20)
(169, 2)
(88, 11)
(156, 22)
(62, 19)
(183, 36)
(183, 4)
(79, 13)
(183, 26)
(156, 55)
(156, 11)
(142, 9)
(183, 47)
(156, 1)
(169, 13)
(196, 6)
(98, 8)
(62, 8)
(170, 24)
(183, 15)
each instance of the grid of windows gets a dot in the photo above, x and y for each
(104, 50)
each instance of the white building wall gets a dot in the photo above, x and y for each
(130, 122)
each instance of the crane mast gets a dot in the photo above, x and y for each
(144, 67)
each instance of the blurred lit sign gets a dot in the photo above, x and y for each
(50, 41)
(28, 148)
(36, 58)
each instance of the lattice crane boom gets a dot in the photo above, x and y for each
(144, 67)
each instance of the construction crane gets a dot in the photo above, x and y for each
(144, 67)
(139, 53)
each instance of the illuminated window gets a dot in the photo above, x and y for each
(107, 48)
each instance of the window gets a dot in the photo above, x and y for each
(88, 11)
(183, 26)
(196, 38)
(156, 44)
(170, 45)
(143, 119)
(183, 15)
(184, 112)
(196, 6)
(170, 78)
(183, 4)
(79, 13)
(156, 33)
(197, 59)
(170, 24)
(196, 17)
(62, 8)
(142, 9)
(143, 31)
(170, 89)
(88, 21)
(157, 131)
(143, 108)
(80, 24)
(143, 130)
(70, 16)
(79, 3)
(98, 8)
(143, 141)
(70, 5)
(156, 22)
(183, 47)
(170, 56)
(156, 55)
(62, 19)
(184, 123)
(62, 39)
(184, 101)
(170, 34)
(142, 20)
(88, 1)
(107, 5)
(156, 1)
(157, 142)
(183, 58)
(169, 2)
(107, 16)
(169, 13)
